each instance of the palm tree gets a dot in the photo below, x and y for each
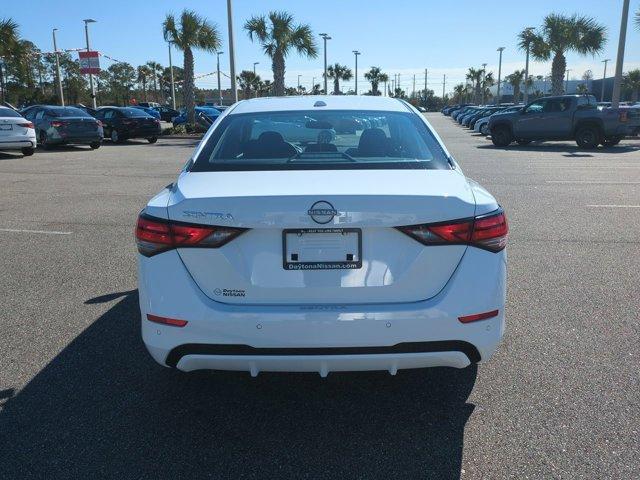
(338, 72)
(475, 77)
(192, 31)
(632, 82)
(376, 76)
(155, 72)
(459, 91)
(278, 37)
(515, 80)
(248, 81)
(143, 73)
(560, 34)
(638, 19)
(9, 44)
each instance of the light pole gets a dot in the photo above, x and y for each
(484, 78)
(87, 21)
(325, 37)
(173, 85)
(499, 74)
(313, 85)
(218, 68)
(59, 77)
(299, 84)
(566, 83)
(232, 55)
(604, 76)
(617, 81)
(254, 67)
(356, 53)
(529, 33)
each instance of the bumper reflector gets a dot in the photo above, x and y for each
(166, 321)
(478, 316)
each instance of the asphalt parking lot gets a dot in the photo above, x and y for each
(80, 397)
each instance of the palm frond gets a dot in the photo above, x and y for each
(257, 26)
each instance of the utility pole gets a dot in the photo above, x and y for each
(325, 37)
(232, 55)
(426, 74)
(414, 85)
(484, 80)
(617, 81)
(87, 21)
(219, 90)
(604, 76)
(398, 84)
(566, 83)
(313, 85)
(299, 84)
(59, 77)
(356, 53)
(173, 85)
(444, 81)
(254, 67)
(386, 92)
(499, 75)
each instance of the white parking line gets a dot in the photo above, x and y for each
(613, 206)
(589, 182)
(42, 232)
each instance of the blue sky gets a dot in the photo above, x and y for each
(401, 36)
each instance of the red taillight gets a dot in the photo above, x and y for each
(166, 321)
(478, 316)
(26, 125)
(58, 123)
(156, 235)
(485, 231)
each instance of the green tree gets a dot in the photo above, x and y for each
(561, 34)
(278, 35)
(190, 32)
(338, 72)
(9, 46)
(121, 77)
(459, 91)
(248, 82)
(375, 76)
(475, 76)
(155, 73)
(515, 80)
(631, 81)
(143, 75)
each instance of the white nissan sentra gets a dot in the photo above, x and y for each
(321, 234)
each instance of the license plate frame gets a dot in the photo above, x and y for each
(321, 265)
(6, 127)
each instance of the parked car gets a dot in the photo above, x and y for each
(123, 123)
(272, 254)
(56, 125)
(149, 104)
(167, 114)
(482, 124)
(16, 132)
(209, 112)
(151, 111)
(485, 112)
(566, 117)
(462, 111)
(89, 110)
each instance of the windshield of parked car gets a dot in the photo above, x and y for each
(134, 112)
(67, 112)
(7, 112)
(311, 140)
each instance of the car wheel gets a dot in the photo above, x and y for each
(28, 151)
(94, 145)
(42, 140)
(152, 139)
(501, 136)
(588, 137)
(523, 142)
(611, 141)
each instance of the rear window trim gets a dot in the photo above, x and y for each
(215, 134)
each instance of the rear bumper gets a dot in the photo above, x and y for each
(17, 143)
(322, 338)
(76, 139)
(142, 132)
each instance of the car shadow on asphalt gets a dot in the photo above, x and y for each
(570, 150)
(103, 408)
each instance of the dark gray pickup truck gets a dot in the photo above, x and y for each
(567, 117)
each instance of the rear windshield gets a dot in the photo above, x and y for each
(67, 112)
(7, 112)
(134, 112)
(327, 140)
